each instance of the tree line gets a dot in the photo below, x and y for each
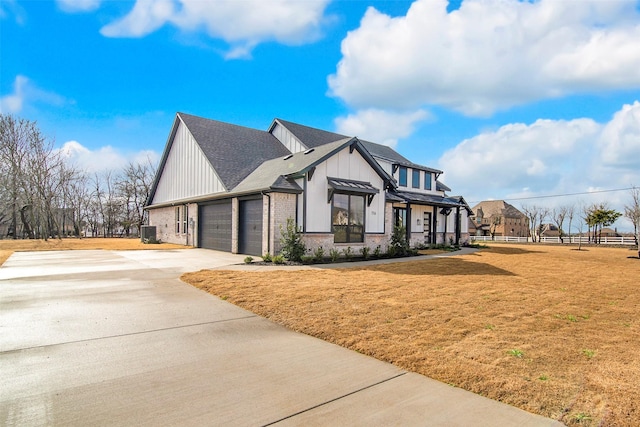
(594, 217)
(43, 196)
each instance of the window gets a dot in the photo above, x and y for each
(427, 222)
(177, 219)
(415, 178)
(399, 217)
(427, 180)
(185, 212)
(403, 176)
(347, 218)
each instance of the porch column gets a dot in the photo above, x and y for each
(458, 225)
(434, 226)
(408, 226)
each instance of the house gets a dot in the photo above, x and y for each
(609, 232)
(498, 218)
(232, 188)
(549, 230)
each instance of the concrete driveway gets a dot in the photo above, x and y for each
(114, 338)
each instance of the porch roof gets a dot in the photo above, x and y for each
(351, 186)
(427, 199)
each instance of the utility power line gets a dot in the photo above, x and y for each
(564, 195)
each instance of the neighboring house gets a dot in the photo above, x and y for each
(609, 232)
(549, 230)
(499, 218)
(232, 188)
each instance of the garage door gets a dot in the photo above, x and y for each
(215, 226)
(250, 227)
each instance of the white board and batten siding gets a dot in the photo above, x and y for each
(187, 172)
(343, 165)
(287, 139)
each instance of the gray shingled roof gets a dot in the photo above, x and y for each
(312, 137)
(276, 170)
(234, 151)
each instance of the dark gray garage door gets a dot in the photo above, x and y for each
(250, 227)
(215, 226)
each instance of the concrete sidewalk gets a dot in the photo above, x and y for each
(114, 338)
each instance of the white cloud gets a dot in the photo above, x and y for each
(548, 157)
(145, 17)
(13, 103)
(12, 8)
(620, 139)
(380, 126)
(242, 24)
(24, 93)
(488, 54)
(73, 6)
(104, 158)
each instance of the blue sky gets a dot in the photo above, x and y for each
(511, 99)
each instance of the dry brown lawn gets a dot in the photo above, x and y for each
(549, 329)
(7, 247)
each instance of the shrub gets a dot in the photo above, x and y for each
(267, 257)
(308, 259)
(398, 246)
(278, 259)
(334, 254)
(377, 251)
(318, 254)
(347, 252)
(365, 252)
(248, 260)
(293, 247)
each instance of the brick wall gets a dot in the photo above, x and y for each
(164, 219)
(283, 206)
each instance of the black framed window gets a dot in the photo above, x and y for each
(400, 217)
(415, 178)
(402, 178)
(347, 218)
(427, 180)
(177, 219)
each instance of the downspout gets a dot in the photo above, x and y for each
(304, 205)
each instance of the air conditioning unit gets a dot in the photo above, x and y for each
(148, 233)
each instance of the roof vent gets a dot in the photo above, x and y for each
(310, 150)
(288, 156)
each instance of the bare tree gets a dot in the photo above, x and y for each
(14, 145)
(134, 187)
(570, 213)
(495, 222)
(558, 215)
(537, 216)
(35, 177)
(632, 212)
